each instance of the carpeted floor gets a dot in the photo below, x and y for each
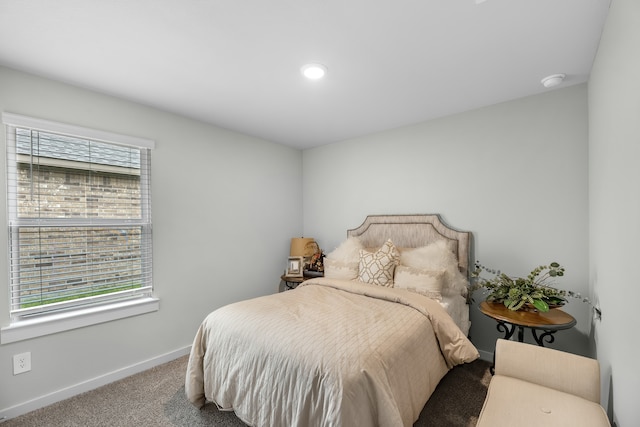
(156, 398)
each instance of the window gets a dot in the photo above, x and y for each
(79, 220)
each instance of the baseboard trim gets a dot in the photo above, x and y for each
(65, 393)
(486, 355)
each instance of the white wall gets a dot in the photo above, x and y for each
(614, 153)
(515, 174)
(224, 207)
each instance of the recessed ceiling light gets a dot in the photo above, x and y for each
(552, 80)
(314, 71)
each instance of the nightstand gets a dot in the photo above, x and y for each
(509, 321)
(290, 282)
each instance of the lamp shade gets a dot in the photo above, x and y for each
(303, 246)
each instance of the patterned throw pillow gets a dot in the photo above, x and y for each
(426, 282)
(377, 267)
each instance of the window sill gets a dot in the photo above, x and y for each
(54, 323)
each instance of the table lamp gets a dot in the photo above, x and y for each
(304, 247)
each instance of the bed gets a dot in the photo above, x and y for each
(343, 350)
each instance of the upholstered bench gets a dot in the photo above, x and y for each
(537, 386)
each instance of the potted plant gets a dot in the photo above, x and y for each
(523, 293)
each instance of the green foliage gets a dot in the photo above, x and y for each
(69, 296)
(515, 292)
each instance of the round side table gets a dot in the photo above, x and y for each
(291, 282)
(508, 321)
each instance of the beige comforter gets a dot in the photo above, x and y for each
(329, 353)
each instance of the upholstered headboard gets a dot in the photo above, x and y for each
(412, 231)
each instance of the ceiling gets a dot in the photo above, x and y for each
(236, 63)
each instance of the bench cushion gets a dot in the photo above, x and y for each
(513, 402)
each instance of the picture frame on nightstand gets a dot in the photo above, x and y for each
(295, 266)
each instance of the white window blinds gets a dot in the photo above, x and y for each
(79, 216)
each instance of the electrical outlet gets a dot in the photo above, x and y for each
(21, 363)
(597, 313)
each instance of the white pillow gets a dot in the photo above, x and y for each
(425, 282)
(378, 267)
(347, 251)
(438, 256)
(342, 262)
(334, 269)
